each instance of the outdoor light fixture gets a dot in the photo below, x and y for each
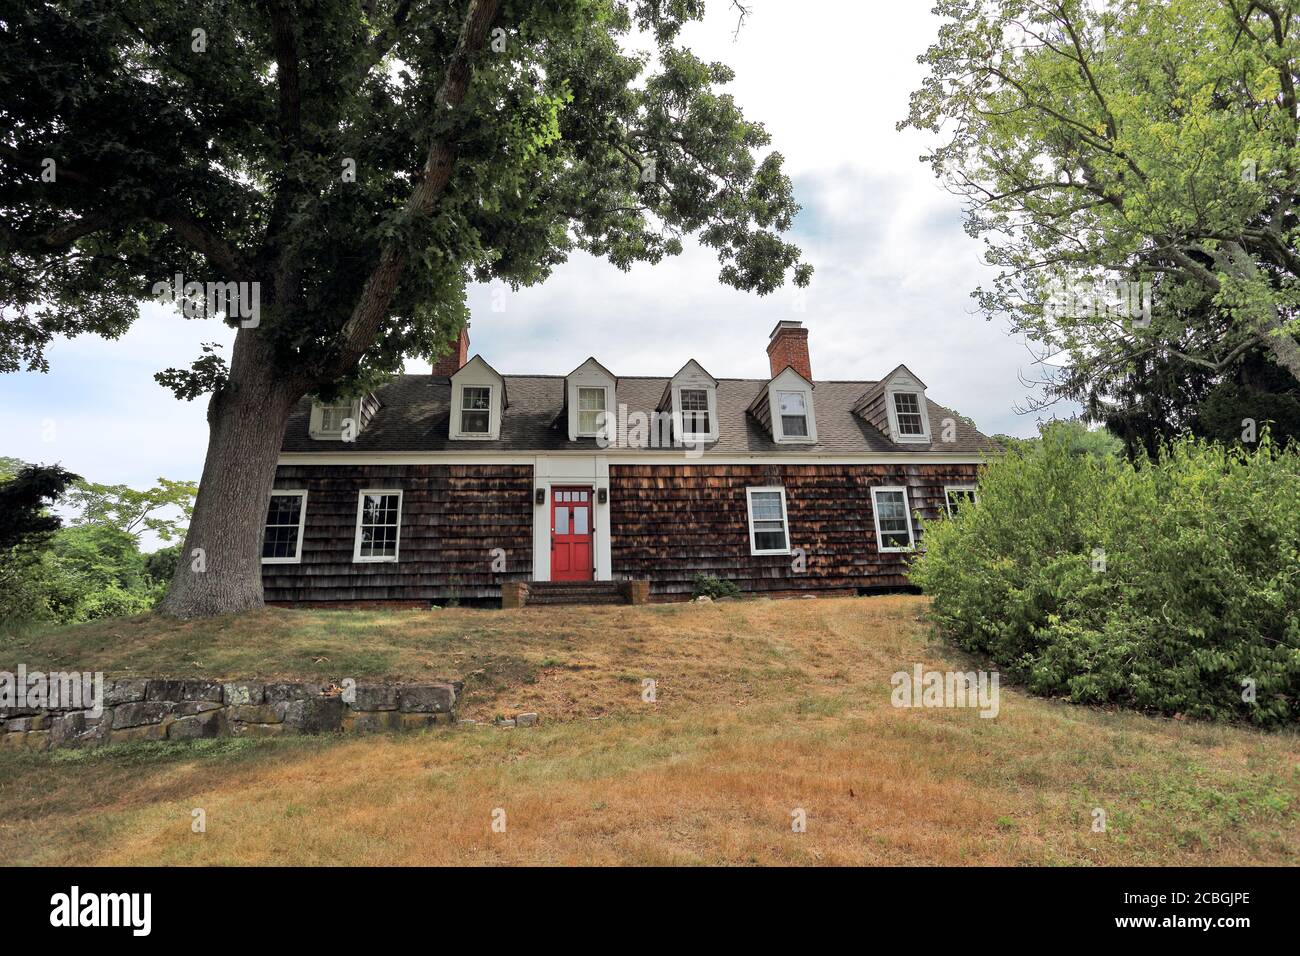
(602, 495)
(541, 496)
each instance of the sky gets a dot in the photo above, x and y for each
(894, 270)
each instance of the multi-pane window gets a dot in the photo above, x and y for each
(794, 414)
(332, 416)
(282, 539)
(893, 524)
(768, 533)
(907, 412)
(379, 515)
(475, 409)
(591, 410)
(959, 496)
(695, 411)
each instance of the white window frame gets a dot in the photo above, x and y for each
(461, 410)
(785, 519)
(397, 540)
(907, 513)
(603, 426)
(710, 409)
(315, 427)
(947, 502)
(908, 388)
(791, 381)
(476, 373)
(302, 524)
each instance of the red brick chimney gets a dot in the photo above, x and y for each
(450, 363)
(789, 346)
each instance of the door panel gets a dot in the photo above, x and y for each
(571, 545)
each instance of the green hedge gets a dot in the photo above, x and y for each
(1200, 589)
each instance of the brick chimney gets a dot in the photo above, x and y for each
(450, 363)
(789, 346)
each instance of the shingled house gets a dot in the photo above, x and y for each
(455, 484)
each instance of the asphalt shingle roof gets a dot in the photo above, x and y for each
(415, 409)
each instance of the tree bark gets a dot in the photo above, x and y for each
(220, 570)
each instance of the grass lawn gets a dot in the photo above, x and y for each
(762, 707)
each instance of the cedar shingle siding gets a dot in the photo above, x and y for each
(672, 522)
(452, 518)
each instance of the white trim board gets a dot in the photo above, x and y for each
(466, 457)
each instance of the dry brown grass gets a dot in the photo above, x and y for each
(763, 707)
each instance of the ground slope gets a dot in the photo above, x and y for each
(762, 708)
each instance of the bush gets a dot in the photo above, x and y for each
(706, 585)
(1196, 588)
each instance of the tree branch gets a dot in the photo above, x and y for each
(377, 295)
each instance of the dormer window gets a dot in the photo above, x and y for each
(476, 409)
(692, 398)
(907, 412)
(591, 410)
(896, 406)
(794, 414)
(589, 397)
(478, 399)
(785, 406)
(335, 421)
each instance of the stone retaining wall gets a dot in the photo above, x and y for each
(138, 708)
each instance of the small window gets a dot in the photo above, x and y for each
(959, 496)
(794, 414)
(591, 410)
(893, 523)
(695, 411)
(907, 411)
(475, 409)
(282, 538)
(768, 533)
(332, 417)
(379, 516)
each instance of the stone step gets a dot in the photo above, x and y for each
(591, 600)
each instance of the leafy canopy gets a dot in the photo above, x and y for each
(278, 142)
(1148, 140)
(135, 512)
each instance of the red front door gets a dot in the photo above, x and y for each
(571, 534)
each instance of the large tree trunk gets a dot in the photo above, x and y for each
(220, 570)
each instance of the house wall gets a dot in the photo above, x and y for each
(672, 522)
(452, 517)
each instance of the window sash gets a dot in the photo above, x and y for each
(591, 409)
(476, 409)
(893, 523)
(282, 531)
(794, 414)
(907, 412)
(956, 497)
(768, 521)
(695, 411)
(379, 519)
(332, 417)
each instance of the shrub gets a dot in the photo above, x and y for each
(706, 585)
(1196, 588)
